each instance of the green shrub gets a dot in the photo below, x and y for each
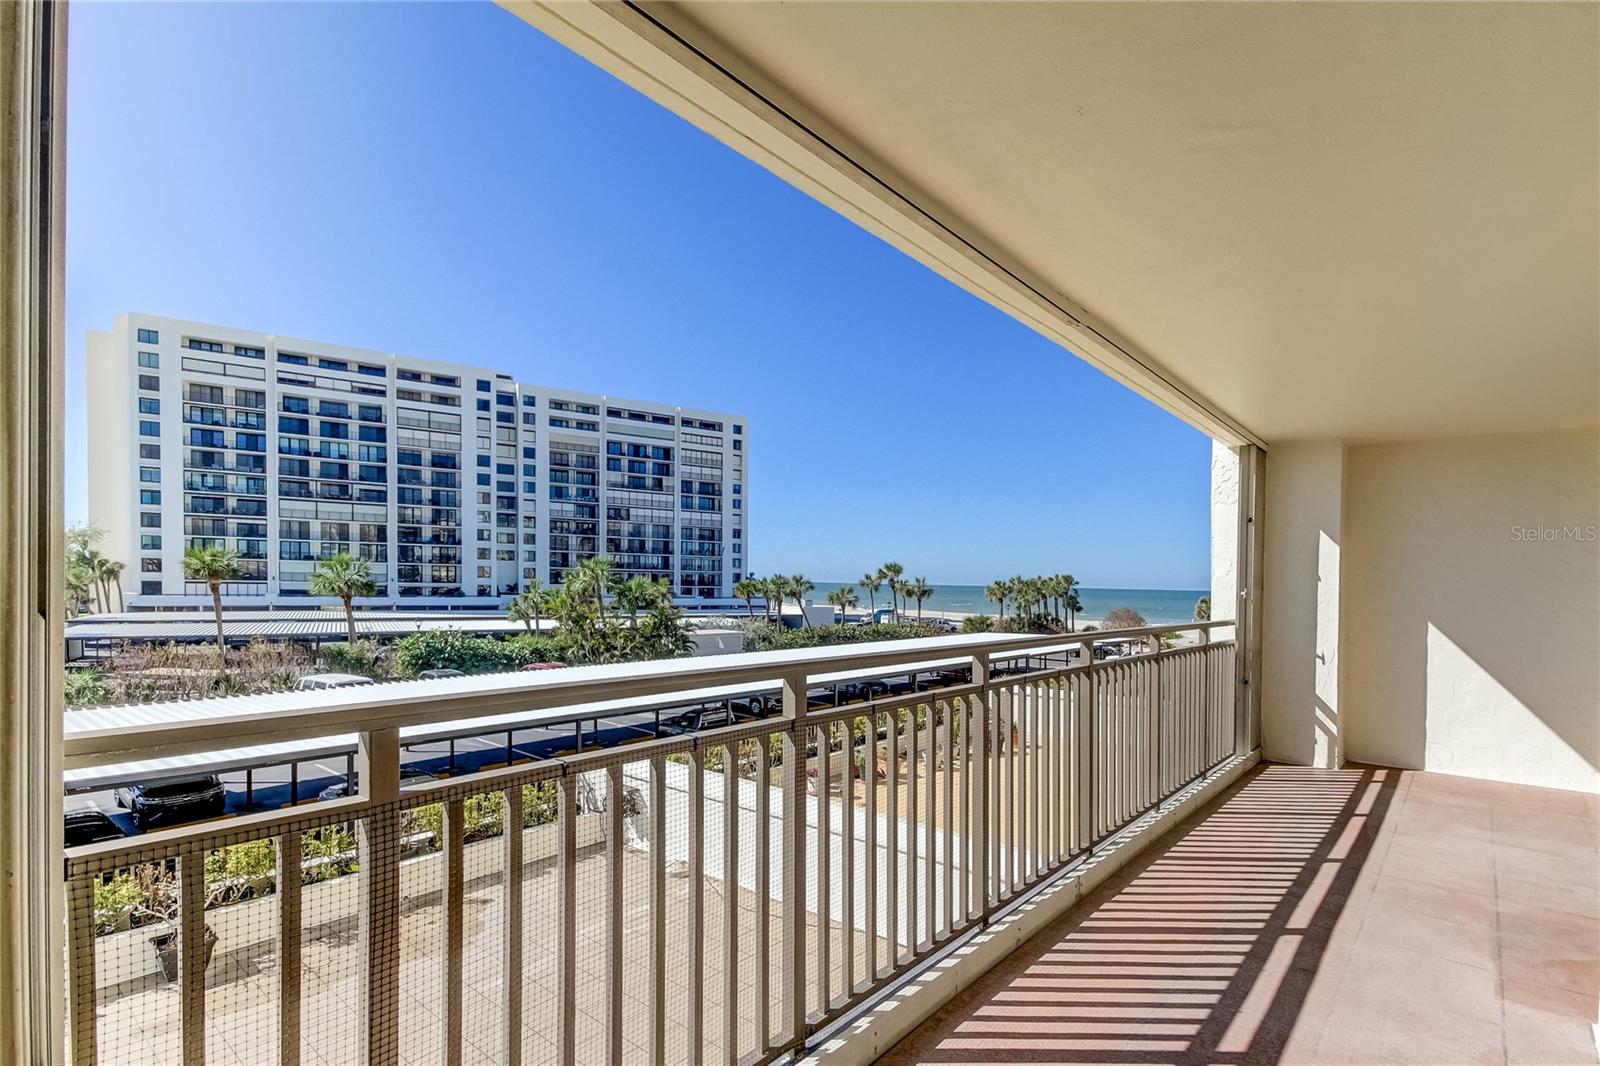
(977, 623)
(87, 688)
(484, 816)
(115, 901)
(331, 842)
(252, 859)
(362, 658)
(539, 804)
(776, 638)
(450, 650)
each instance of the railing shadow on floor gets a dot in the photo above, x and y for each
(1200, 953)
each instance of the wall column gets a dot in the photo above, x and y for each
(1301, 721)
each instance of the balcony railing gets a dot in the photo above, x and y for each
(719, 895)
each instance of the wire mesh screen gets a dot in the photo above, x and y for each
(330, 942)
(685, 900)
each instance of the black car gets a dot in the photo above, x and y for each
(89, 825)
(174, 801)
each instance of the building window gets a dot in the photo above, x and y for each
(149, 405)
(483, 405)
(737, 429)
(150, 542)
(529, 401)
(150, 588)
(150, 497)
(150, 473)
(150, 360)
(149, 336)
(483, 386)
(150, 565)
(484, 479)
(738, 445)
(150, 519)
(149, 383)
(149, 451)
(149, 429)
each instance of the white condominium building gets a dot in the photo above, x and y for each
(461, 485)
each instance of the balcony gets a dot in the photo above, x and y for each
(867, 838)
(1359, 915)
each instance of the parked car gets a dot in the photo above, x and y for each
(89, 825)
(409, 775)
(429, 675)
(174, 800)
(314, 682)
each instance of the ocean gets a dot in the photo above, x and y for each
(1159, 606)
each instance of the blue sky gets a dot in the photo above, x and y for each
(444, 181)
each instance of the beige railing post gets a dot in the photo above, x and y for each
(378, 847)
(288, 890)
(986, 858)
(1085, 739)
(794, 854)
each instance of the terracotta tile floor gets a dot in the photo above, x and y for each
(1352, 916)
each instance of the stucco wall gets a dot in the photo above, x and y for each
(1300, 594)
(1472, 637)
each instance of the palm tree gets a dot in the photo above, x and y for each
(1202, 609)
(638, 593)
(844, 597)
(94, 565)
(344, 578)
(890, 573)
(798, 587)
(918, 589)
(80, 585)
(1074, 605)
(112, 571)
(591, 580)
(214, 566)
(747, 590)
(870, 584)
(1069, 595)
(528, 607)
(998, 592)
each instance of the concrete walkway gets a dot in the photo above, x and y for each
(1352, 916)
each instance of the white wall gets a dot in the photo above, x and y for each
(1300, 594)
(1224, 531)
(1471, 640)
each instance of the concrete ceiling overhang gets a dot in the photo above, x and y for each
(1282, 221)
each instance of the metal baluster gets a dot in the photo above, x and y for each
(847, 856)
(891, 805)
(730, 910)
(911, 828)
(930, 850)
(696, 1005)
(450, 973)
(566, 906)
(951, 709)
(658, 909)
(871, 901)
(511, 976)
(614, 914)
(288, 885)
(794, 852)
(824, 737)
